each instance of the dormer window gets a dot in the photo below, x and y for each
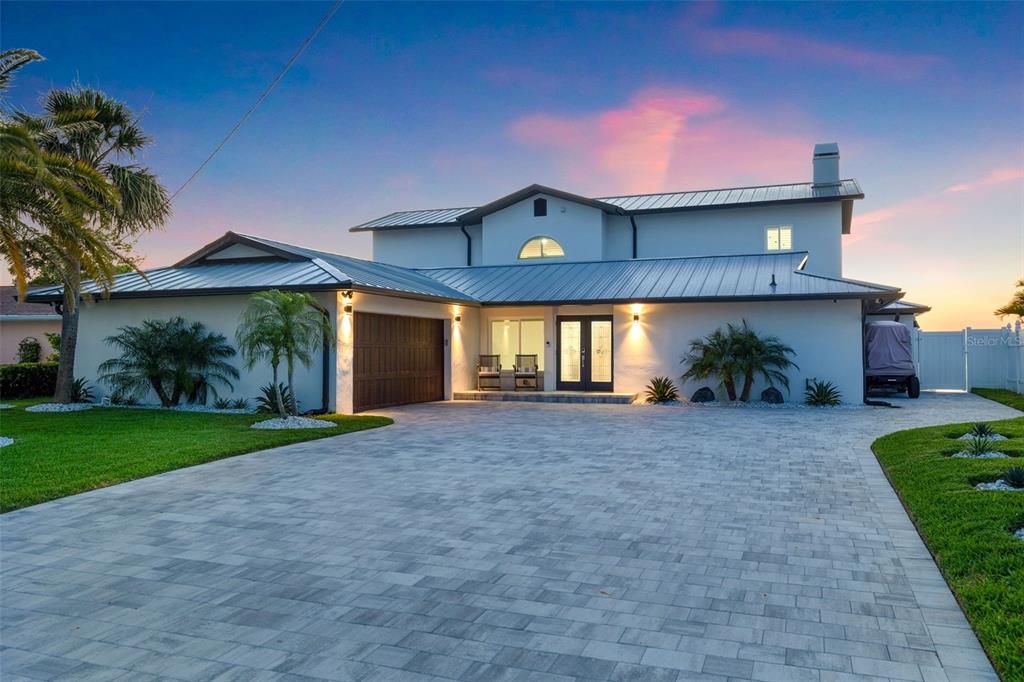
(540, 208)
(778, 238)
(541, 247)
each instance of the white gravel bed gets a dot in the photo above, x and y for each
(5, 441)
(968, 436)
(987, 455)
(6, 406)
(1019, 533)
(187, 407)
(293, 423)
(60, 407)
(998, 485)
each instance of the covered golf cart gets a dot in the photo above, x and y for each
(889, 358)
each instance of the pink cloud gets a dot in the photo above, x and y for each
(799, 49)
(996, 177)
(665, 139)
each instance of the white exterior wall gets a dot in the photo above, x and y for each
(817, 228)
(101, 319)
(428, 247)
(461, 341)
(825, 335)
(577, 227)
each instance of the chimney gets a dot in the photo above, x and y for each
(826, 164)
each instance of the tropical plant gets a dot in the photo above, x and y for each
(1016, 304)
(282, 326)
(174, 358)
(267, 402)
(1015, 477)
(978, 446)
(222, 403)
(822, 394)
(118, 398)
(54, 339)
(758, 356)
(101, 137)
(982, 430)
(712, 358)
(662, 390)
(239, 404)
(81, 391)
(29, 350)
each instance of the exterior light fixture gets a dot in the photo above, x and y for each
(458, 317)
(636, 313)
(346, 302)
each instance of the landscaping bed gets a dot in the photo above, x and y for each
(60, 454)
(970, 532)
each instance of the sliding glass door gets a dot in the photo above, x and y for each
(585, 353)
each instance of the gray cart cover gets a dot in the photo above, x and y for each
(889, 350)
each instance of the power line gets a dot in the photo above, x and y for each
(263, 95)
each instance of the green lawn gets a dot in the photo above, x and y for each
(59, 454)
(1001, 395)
(968, 530)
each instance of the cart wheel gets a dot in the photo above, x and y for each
(913, 387)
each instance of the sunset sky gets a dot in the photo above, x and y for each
(405, 106)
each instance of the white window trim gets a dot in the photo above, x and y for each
(779, 228)
(519, 254)
(520, 320)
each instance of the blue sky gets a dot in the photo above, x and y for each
(399, 106)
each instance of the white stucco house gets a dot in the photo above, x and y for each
(606, 291)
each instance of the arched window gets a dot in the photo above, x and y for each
(540, 208)
(541, 247)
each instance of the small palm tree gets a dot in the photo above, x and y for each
(172, 357)
(281, 326)
(764, 356)
(712, 358)
(1016, 304)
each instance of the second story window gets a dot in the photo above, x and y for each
(541, 247)
(540, 207)
(779, 238)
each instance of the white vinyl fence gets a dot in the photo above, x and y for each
(972, 358)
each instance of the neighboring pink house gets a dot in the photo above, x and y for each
(21, 320)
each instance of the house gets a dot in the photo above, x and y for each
(23, 320)
(606, 291)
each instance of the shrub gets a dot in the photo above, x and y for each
(978, 446)
(81, 391)
(738, 353)
(822, 394)
(1015, 477)
(54, 340)
(662, 390)
(118, 398)
(982, 430)
(28, 380)
(174, 358)
(266, 401)
(222, 403)
(240, 404)
(29, 350)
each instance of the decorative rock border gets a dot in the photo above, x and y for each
(293, 423)
(988, 455)
(5, 441)
(1019, 533)
(59, 407)
(998, 485)
(969, 436)
(6, 406)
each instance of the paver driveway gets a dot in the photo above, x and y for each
(502, 541)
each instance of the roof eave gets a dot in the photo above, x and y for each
(378, 228)
(877, 296)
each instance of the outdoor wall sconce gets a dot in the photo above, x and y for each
(346, 302)
(458, 317)
(636, 313)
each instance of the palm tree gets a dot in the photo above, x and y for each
(712, 357)
(1016, 304)
(764, 356)
(172, 357)
(44, 195)
(282, 325)
(100, 135)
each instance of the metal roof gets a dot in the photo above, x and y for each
(902, 306)
(628, 204)
(656, 279)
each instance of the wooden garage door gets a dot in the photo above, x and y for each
(396, 360)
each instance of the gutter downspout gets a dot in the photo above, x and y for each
(469, 245)
(632, 221)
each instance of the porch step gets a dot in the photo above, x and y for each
(547, 397)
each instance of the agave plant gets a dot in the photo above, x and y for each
(81, 391)
(266, 401)
(822, 393)
(239, 404)
(978, 446)
(982, 430)
(222, 403)
(662, 390)
(1015, 477)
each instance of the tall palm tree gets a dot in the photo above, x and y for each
(102, 135)
(282, 325)
(764, 356)
(712, 357)
(1016, 304)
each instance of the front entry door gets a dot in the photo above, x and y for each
(585, 353)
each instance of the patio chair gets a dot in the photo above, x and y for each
(488, 373)
(526, 372)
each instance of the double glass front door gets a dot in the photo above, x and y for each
(585, 353)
